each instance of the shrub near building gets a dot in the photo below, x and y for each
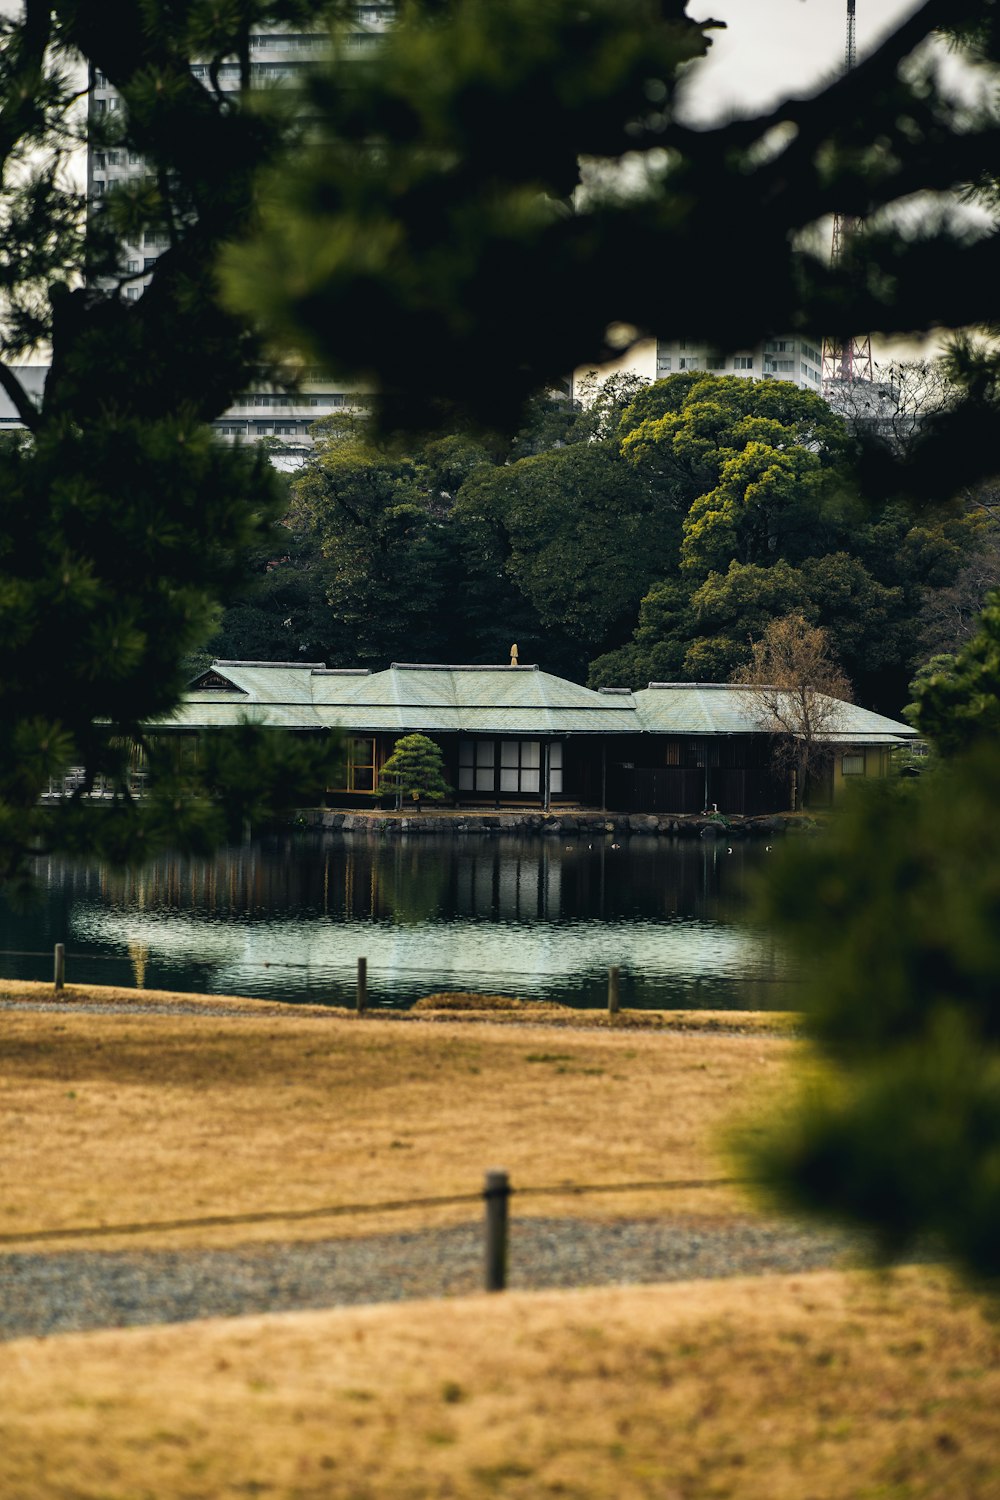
(414, 770)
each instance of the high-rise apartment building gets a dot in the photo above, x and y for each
(264, 410)
(784, 357)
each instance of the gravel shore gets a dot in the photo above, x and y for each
(64, 1292)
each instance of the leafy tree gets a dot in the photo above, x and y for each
(795, 689)
(893, 913)
(657, 652)
(391, 570)
(949, 615)
(414, 771)
(957, 698)
(583, 534)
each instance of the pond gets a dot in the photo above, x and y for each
(287, 917)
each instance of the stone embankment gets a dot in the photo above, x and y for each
(601, 824)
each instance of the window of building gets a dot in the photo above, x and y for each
(715, 362)
(520, 765)
(358, 765)
(133, 293)
(690, 363)
(476, 766)
(516, 768)
(743, 362)
(780, 346)
(853, 765)
(663, 364)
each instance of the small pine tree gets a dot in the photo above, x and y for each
(415, 769)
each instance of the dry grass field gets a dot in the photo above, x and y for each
(829, 1386)
(124, 1118)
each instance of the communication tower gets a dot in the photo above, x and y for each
(847, 357)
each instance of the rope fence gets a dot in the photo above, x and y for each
(495, 1196)
(274, 963)
(361, 997)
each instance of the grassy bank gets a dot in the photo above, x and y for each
(454, 1005)
(123, 1118)
(825, 1386)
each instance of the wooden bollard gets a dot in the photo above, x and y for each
(362, 993)
(496, 1194)
(59, 967)
(614, 991)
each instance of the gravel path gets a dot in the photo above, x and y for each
(45, 1294)
(146, 1008)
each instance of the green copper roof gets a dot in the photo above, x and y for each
(470, 700)
(726, 708)
(487, 700)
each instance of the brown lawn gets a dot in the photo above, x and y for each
(829, 1386)
(117, 1119)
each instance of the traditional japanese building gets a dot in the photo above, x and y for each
(515, 736)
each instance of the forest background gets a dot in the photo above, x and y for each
(637, 533)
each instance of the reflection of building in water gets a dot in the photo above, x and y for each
(520, 885)
(414, 880)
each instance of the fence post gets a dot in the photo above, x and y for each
(614, 991)
(59, 975)
(496, 1194)
(362, 993)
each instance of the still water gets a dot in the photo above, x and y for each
(287, 918)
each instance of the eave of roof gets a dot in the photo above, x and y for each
(483, 700)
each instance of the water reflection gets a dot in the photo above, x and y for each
(288, 918)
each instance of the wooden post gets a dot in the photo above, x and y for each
(496, 1195)
(614, 991)
(362, 996)
(59, 978)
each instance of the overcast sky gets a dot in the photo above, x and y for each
(774, 48)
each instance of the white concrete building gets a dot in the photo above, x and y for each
(264, 410)
(783, 357)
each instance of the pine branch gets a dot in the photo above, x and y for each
(31, 41)
(19, 398)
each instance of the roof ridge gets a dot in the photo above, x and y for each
(438, 666)
(295, 665)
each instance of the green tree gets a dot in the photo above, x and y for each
(893, 915)
(584, 536)
(957, 698)
(414, 771)
(122, 523)
(391, 570)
